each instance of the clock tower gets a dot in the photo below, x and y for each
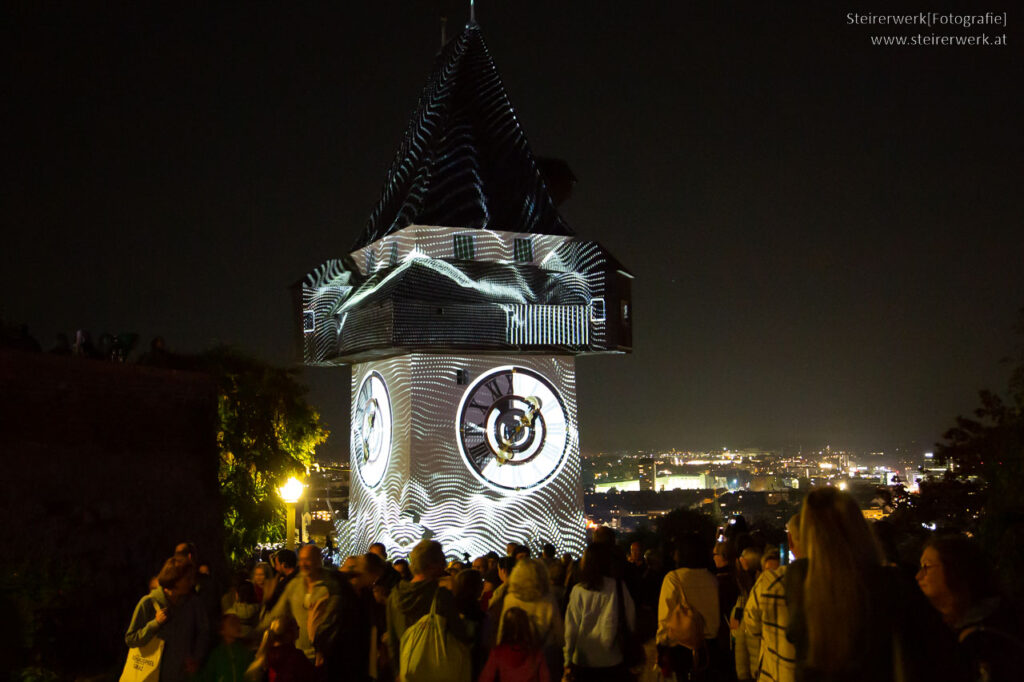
(461, 309)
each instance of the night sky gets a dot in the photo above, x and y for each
(826, 235)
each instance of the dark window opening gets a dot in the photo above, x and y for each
(464, 247)
(523, 250)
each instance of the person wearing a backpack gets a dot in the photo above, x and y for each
(410, 601)
(688, 614)
(519, 657)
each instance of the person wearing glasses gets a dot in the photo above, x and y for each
(957, 578)
(853, 618)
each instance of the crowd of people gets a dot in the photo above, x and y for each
(107, 346)
(727, 611)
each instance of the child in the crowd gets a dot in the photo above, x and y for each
(247, 608)
(518, 657)
(277, 657)
(229, 660)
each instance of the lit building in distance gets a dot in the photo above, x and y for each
(934, 467)
(702, 481)
(461, 308)
(647, 470)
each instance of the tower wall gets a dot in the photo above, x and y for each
(429, 488)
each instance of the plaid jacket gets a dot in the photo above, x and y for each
(765, 617)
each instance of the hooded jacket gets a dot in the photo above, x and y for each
(185, 633)
(528, 589)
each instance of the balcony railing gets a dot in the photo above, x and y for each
(543, 325)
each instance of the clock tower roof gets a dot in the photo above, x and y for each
(464, 160)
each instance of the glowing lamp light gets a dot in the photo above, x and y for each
(291, 491)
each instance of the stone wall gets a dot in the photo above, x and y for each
(105, 467)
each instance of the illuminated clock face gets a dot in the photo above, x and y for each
(371, 429)
(512, 429)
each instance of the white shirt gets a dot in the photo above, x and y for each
(699, 588)
(591, 625)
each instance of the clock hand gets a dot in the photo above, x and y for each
(369, 419)
(525, 421)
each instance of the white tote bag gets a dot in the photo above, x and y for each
(143, 664)
(429, 653)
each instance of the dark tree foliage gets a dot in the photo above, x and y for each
(992, 443)
(947, 503)
(991, 446)
(266, 432)
(687, 522)
(644, 535)
(991, 440)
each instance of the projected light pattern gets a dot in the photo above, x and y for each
(566, 325)
(573, 300)
(437, 494)
(323, 292)
(461, 308)
(371, 429)
(464, 159)
(376, 512)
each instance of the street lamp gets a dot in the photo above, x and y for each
(290, 492)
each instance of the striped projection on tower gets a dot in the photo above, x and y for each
(432, 487)
(461, 309)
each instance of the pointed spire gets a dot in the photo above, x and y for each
(464, 160)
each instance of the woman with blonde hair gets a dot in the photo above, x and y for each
(853, 618)
(263, 580)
